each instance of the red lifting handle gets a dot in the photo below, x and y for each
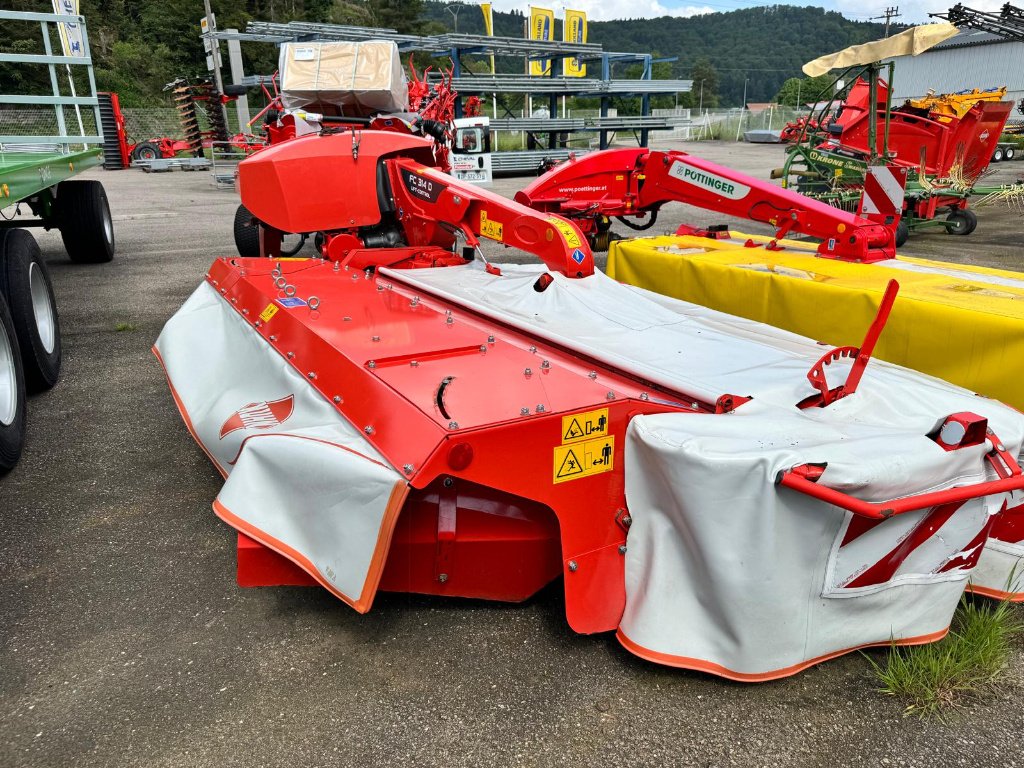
(804, 478)
(796, 479)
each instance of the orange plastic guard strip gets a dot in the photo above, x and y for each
(803, 478)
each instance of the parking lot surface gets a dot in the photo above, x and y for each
(124, 640)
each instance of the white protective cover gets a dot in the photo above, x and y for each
(725, 571)
(300, 478)
(362, 78)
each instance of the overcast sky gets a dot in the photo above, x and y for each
(914, 11)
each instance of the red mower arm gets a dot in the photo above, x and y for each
(637, 182)
(430, 204)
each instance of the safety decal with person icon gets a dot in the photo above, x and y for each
(585, 426)
(583, 459)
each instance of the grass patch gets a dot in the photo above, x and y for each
(125, 327)
(967, 664)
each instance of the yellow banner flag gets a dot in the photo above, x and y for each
(488, 13)
(485, 8)
(542, 26)
(574, 30)
(71, 37)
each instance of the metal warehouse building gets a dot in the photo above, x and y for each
(970, 59)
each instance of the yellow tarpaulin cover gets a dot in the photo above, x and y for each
(909, 43)
(960, 323)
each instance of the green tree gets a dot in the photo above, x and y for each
(705, 84)
(355, 14)
(797, 91)
(404, 15)
(660, 70)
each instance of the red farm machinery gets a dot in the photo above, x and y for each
(401, 413)
(632, 185)
(945, 143)
(191, 101)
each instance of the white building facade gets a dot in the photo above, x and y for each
(971, 59)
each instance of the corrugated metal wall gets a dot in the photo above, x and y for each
(955, 69)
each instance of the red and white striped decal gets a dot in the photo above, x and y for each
(261, 415)
(883, 190)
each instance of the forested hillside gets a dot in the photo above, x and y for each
(766, 45)
(139, 45)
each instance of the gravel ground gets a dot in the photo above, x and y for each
(126, 642)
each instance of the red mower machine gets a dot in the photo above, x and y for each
(399, 413)
(428, 112)
(402, 414)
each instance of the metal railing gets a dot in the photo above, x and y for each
(538, 124)
(225, 157)
(63, 139)
(563, 85)
(529, 160)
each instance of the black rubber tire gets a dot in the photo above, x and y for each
(247, 233)
(26, 287)
(1009, 154)
(289, 252)
(961, 221)
(902, 233)
(12, 434)
(147, 150)
(83, 217)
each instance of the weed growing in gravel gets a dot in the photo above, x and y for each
(124, 327)
(968, 663)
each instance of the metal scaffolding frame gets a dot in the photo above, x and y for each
(455, 46)
(561, 86)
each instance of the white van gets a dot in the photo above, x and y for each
(471, 150)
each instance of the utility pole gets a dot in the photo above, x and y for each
(455, 14)
(743, 109)
(215, 52)
(216, 45)
(892, 12)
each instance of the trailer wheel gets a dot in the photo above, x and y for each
(247, 233)
(961, 221)
(83, 217)
(12, 394)
(147, 150)
(26, 287)
(902, 233)
(1010, 153)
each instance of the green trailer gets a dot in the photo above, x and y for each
(37, 189)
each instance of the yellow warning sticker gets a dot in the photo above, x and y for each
(591, 457)
(268, 313)
(490, 228)
(583, 426)
(568, 232)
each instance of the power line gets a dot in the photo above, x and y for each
(892, 12)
